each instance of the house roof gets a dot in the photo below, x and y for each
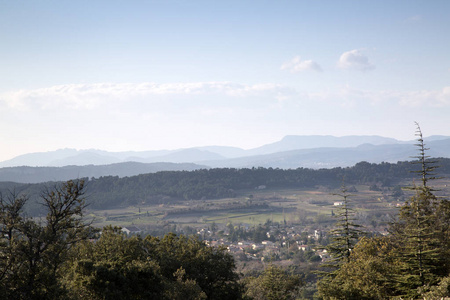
(131, 229)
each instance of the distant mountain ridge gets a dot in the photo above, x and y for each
(66, 157)
(289, 153)
(294, 142)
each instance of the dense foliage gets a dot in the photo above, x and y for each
(273, 284)
(60, 257)
(163, 187)
(32, 254)
(174, 267)
(412, 262)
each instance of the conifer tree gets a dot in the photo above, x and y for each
(343, 239)
(346, 233)
(422, 230)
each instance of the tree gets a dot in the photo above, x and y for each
(11, 222)
(368, 274)
(422, 230)
(346, 233)
(32, 253)
(212, 269)
(342, 241)
(174, 267)
(114, 267)
(273, 284)
(412, 262)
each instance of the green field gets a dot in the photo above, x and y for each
(253, 207)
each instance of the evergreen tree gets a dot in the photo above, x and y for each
(346, 233)
(343, 239)
(422, 231)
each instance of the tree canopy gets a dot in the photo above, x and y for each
(413, 261)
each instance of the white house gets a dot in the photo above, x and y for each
(131, 230)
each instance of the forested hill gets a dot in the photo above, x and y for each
(25, 174)
(169, 186)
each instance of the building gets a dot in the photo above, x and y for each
(131, 230)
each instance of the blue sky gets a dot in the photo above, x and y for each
(147, 75)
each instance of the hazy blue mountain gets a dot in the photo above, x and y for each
(39, 159)
(322, 157)
(44, 174)
(66, 157)
(85, 158)
(226, 152)
(295, 142)
(436, 138)
(335, 157)
(184, 155)
(308, 152)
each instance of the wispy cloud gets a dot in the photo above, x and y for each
(425, 98)
(297, 65)
(154, 116)
(104, 95)
(208, 96)
(436, 98)
(355, 60)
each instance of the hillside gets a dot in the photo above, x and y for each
(44, 174)
(166, 187)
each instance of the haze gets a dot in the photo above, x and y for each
(147, 75)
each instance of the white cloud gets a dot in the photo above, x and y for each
(347, 96)
(296, 65)
(439, 98)
(173, 115)
(179, 98)
(355, 60)
(107, 95)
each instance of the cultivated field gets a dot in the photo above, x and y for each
(253, 207)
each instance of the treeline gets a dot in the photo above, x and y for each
(168, 186)
(164, 187)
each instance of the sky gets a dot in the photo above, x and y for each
(149, 75)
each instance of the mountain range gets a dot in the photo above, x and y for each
(290, 152)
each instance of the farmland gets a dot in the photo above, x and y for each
(254, 207)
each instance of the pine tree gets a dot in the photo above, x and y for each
(346, 233)
(422, 230)
(343, 239)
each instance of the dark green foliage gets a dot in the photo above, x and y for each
(343, 239)
(368, 275)
(32, 254)
(273, 284)
(211, 268)
(411, 263)
(422, 230)
(174, 267)
(346, 233)
(164, 187)
(56, 260)
(114, 267)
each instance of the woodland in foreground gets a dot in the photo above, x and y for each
(62, 256)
